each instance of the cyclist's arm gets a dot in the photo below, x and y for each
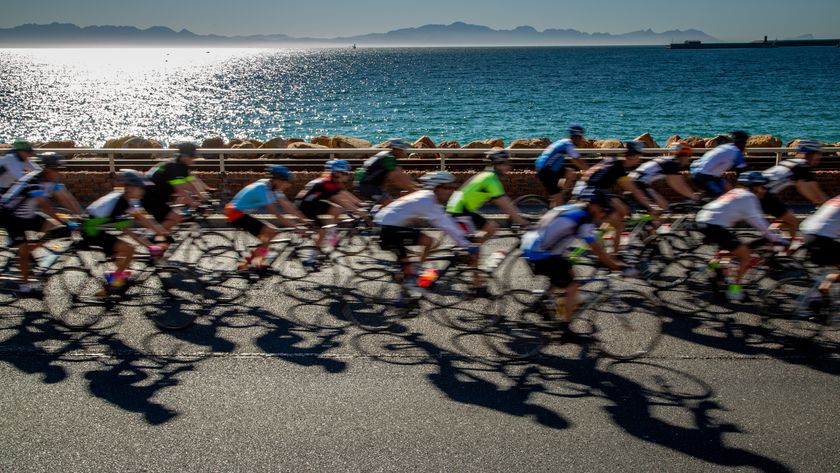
(144, 220)
(347, 201)
(138, 238)
(281, 217)
(755, 218)
(580, 164)
(628, 185)
(442, 220)
(65, 197)
(290, 209)
(680, 185)
(605, 258)
(46, 207)
(811, 191)
(185, 191)
(402, 180)
(509, 208)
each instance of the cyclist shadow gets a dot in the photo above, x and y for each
(24, 348)
(132, 381)
(299, 342)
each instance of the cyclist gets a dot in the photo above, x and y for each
(821, 232)
(707, 172)
(793, 172)
(399, 220)
(609, 172)
(669, 169)
(16, 164)
(21, 205)
(482, 188)
(173, 177)
(545, 246)
(264, 194)
(324, 199)
(382, 168)
(121, 208)
(718, 217)
(552, 166)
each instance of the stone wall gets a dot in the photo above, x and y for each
(89, 185)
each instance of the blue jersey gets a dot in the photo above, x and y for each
(719, 160)
(556, 230)
(256, 196)
(554, 157)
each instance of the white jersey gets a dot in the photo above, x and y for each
(656, 169)
(421, 206)
(786, 173)
(825, 221)
(556, 230)
(22, 199)
(13, 168)
(719, 160)
(737, 205)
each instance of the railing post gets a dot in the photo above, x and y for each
(222, 173)
(111, 164)
(778, 158)
(442, 161)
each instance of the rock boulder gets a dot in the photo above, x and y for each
(322, 140)
(305, 145)
(647, 140)
(60, 144)
(607, 144)
(530, 143)
(764, 141)
(424, 142)
(243, 145)
(216, 142)
(449, 144)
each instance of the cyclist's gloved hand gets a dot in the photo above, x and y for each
(156, 251)
(473, 249)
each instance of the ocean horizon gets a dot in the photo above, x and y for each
(449, 93)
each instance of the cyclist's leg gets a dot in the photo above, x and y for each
(616, 220)
(559, 272)
(123, 253)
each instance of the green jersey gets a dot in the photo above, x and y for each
(482, 188)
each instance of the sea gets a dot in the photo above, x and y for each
(463, 94)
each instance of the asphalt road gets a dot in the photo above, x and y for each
(279, 381)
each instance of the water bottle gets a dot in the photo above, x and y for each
(427, 277)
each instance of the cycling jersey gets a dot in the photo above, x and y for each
(421, 206)
(735, 206)
(112, 208)
(166, 176)
(322, 188)
(719, 160)
(556, 230)
(825, 221)
(554, 157)
(22, 199)
(12, 168)
(376, 169)
(786, 173)
(656, 169)
(256, 196)
(480, 189)
(603, 175)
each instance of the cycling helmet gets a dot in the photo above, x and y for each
(634, 147)
(680, 149)
(397, 143)
(22, 145)
(130, 177)
(497, 156)
(51, 160)
(437, 178)
(809, 147)
(739, 136)
(338, 165)
(276, 171)
(576, 130)
(752, 179)
(187, 149)
(597, 196)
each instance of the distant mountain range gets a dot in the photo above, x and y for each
(458, 33)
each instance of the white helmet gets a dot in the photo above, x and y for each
(437, 178)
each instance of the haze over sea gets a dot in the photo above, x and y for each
(463, 94)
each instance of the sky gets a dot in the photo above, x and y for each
(732, 20)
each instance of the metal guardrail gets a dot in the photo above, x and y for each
(446, 158)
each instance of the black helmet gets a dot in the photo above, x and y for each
(752, 179)
(187, 149)
(51, 160)
(739, 136)
(130, 177)
(598, 197)
(497, 156)
(576, 130)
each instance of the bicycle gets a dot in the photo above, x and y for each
(796, 307)
(76, 296)
(624, 323)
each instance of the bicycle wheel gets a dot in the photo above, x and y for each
(626, 323)
(290, 263)
(352, 241)
(461, 306)
(523, 332)
(662, 264)
(375, 301)
(793, 308)
(75, 297)
(219, 270)
(532, 206)
(172, 296)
